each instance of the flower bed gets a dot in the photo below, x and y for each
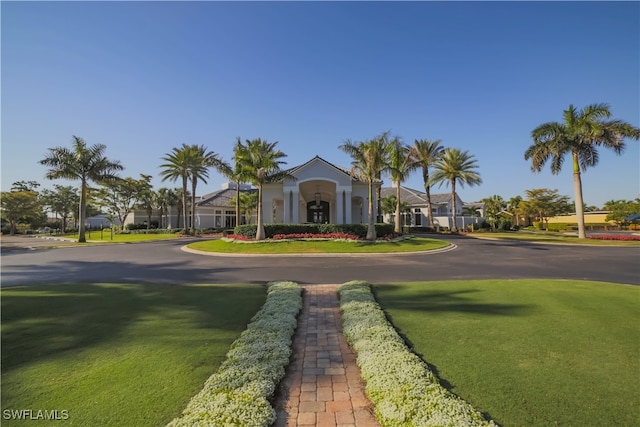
(330, 236)
(622, 237)
(237, 394)
(399, 384)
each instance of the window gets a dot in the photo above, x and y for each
(418, 217)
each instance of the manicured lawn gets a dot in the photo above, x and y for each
(553, 238)
(117, 355)
(105, 237)
(528, 352)
(314, 246)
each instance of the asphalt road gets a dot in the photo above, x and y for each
(165, 262)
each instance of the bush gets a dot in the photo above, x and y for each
(401, 386)
(237, 395)
(270, 230)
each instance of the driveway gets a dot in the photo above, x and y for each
(165, 262)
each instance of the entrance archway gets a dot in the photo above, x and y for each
(318, 213)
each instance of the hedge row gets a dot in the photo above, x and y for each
(399, 384)
(237, 395)
(360, 230)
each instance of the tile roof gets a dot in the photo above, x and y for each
(416, 197)
(221, 198)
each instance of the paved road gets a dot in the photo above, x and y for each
(165, 262)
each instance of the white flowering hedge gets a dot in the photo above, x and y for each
(399, 384)
(237, 394)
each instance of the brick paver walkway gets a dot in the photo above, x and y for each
(322, 386)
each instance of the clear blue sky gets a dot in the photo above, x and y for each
(144, 77)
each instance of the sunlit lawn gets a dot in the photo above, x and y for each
(116, 355)
(528, 352)
(315, 246)
(553, 238)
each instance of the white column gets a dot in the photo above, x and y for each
(286, 195)
(339, 207)
(295, 204)
(348, 206)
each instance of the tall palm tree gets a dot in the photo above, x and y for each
(162, 202)
(81, 163)
(456, 166)
(176, 166)
(370, 159)
(401, 164)
(426, 153)
(260, 163)
(579, 136)
(494, 205)
(146, 197)
(200, 160)
(237, 174)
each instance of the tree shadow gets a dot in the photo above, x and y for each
(43, 322)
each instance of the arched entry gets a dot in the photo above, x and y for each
(318, 212)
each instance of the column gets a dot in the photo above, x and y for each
(295, 204)
(286, 196)
(339, 207)
(347, 206)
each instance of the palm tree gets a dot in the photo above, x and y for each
(200, 160)
(247, 204)
(579, 136)
(146, 197)
(176, 166)
(370, 159)
(81, 163)
(494, 206)
(259, 162)
(514, 208)
(238, 175)
(456, 166)
(401, 164)
(426, 153)
(162, 202)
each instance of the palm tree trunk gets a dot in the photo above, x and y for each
(577, 188)
(379, 204)
(237, 203)
(82, 211)
(184, 205)
(260, 229)
(398, 227)
(427, 189)
(371, 229)
(454, 227)
(193, 206)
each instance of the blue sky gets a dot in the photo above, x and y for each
(144, 77)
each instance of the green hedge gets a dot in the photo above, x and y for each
(360, 230)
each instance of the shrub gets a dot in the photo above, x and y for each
(237, 394)
(270, 230)
(399, 384)
(623, 237)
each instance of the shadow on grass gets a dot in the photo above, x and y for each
(44, 321)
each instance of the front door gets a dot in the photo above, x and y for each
(318, 214)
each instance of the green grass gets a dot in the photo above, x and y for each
(105, 237)
(117, 355)
(315, 246)
(528, 352)
(551, 237)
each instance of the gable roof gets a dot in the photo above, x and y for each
(341, 169)
(416, 197)
(221, 198)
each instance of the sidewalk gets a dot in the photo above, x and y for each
(322, 386)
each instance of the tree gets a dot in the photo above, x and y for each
(238, 175)
(401, 164)
(25, 186)
(456, 166)
(547, 203)
(247, 203)
(514, 208)
(370, 159)
(63, 201)
(19, 207)
(389, 205)
(494, 205)
(81, 163)
(120, 196)
(165, 198)
(425, 154)
(200, 160)
(146, 197)
(259, 162)
(621, 209)
(579, 136)
(176, 166)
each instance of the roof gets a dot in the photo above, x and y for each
(222, 197)
(342, 169)
(416, 197)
